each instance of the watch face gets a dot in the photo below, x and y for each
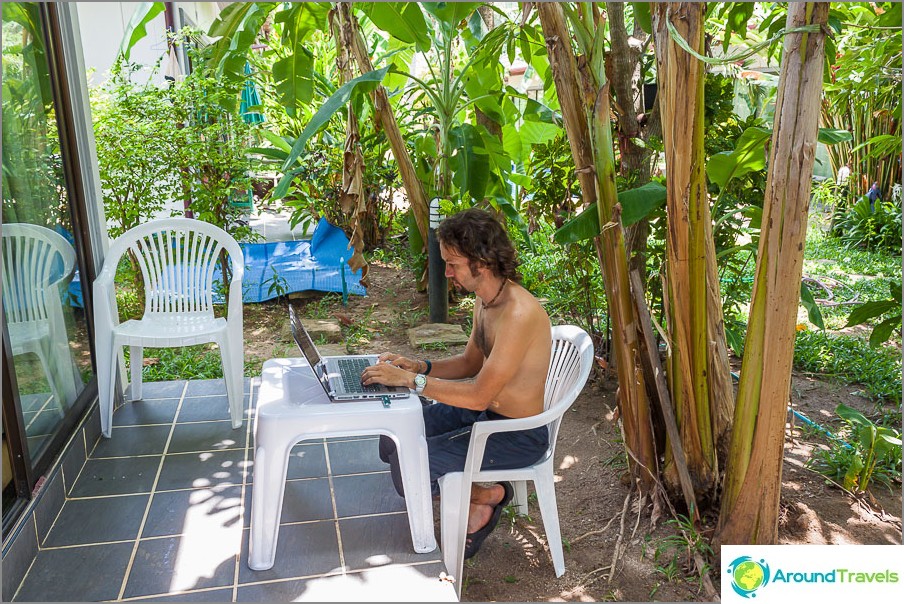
(420, 380)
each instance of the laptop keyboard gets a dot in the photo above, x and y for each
(350, 371)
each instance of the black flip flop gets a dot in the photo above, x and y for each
(476, 539)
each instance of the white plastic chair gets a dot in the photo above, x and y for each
(569, 368)
(36, 263)
(177, 258)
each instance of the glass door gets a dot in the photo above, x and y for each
(47, 342)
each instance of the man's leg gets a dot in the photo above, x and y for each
(442, 423)
(483, 500)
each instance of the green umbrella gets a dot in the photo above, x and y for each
(250, 98)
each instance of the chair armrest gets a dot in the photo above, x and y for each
(106, 311)
(481, 431)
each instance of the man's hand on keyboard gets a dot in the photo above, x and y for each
(385, 372)
(399, 361)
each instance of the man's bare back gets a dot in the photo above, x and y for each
(522, 396)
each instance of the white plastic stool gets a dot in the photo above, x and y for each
(293, 407)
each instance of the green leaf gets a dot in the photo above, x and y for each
(364, 83)
(402, 20)
(813, 312)
(737, 19)
(303, 18)
(852, 416)
(894, 288)
(237, 28)
(749, 155)
(585, 225)
(538, 133)
(870, 310)
(469, 161)
(883, 330)
(137, 27)
(277, 141)
(638, 203)
(642, 16)
(294, 79)
(536, 111)
(833, 136)
(450, 14)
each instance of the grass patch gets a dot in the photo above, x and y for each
(852, 361)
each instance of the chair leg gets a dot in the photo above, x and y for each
(549, 510)
(106, 375)
(520, 498)
(136, 360)
(230, 356)
(454, 523)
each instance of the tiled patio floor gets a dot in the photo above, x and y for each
(161, 511)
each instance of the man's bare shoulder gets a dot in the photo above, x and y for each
(527, 310)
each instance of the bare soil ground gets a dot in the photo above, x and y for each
(613, 550)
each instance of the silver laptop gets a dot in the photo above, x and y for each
(341, 376)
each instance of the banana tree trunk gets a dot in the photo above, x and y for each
(698, 370)
(584, 98)
(627, 85)
(413, 186)
(352, 200)
(750, 499)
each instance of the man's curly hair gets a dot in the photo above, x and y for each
(480, 237)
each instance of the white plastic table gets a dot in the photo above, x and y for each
(293, 407)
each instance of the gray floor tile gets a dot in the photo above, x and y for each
(208, 387)
(127, 475)
(170, 564)
(301, 550)
(200, 470)
(86, 521)
(142, 413)
(207, 436)
(207, 595)
(307, 500)
(366, 494)
(151, 390)
(307, 460)
(392, 583)
(49, 506)
(355, 456)
(360, 537)
(18, 557)
(81, 574)
(198, 510)
(132, 440)
(210, 408)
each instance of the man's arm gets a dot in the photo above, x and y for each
(495, 373)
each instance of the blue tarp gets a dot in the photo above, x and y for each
(300, 265)
(316, 264)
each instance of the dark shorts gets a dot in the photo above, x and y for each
(448, 431)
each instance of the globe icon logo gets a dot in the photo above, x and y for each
(748, 575)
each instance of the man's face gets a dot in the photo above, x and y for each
(458, 269)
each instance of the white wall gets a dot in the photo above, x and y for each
(102, 26)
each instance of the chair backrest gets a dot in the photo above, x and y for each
(569, 368)
(177, 258)
(35, 260)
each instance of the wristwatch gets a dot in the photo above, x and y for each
(420, 382)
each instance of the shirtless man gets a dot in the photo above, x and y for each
(503, 368)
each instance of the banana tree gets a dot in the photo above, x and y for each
(583, 95)
(698, 371)
(751, 489)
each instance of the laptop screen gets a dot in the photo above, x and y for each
(303, 339)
